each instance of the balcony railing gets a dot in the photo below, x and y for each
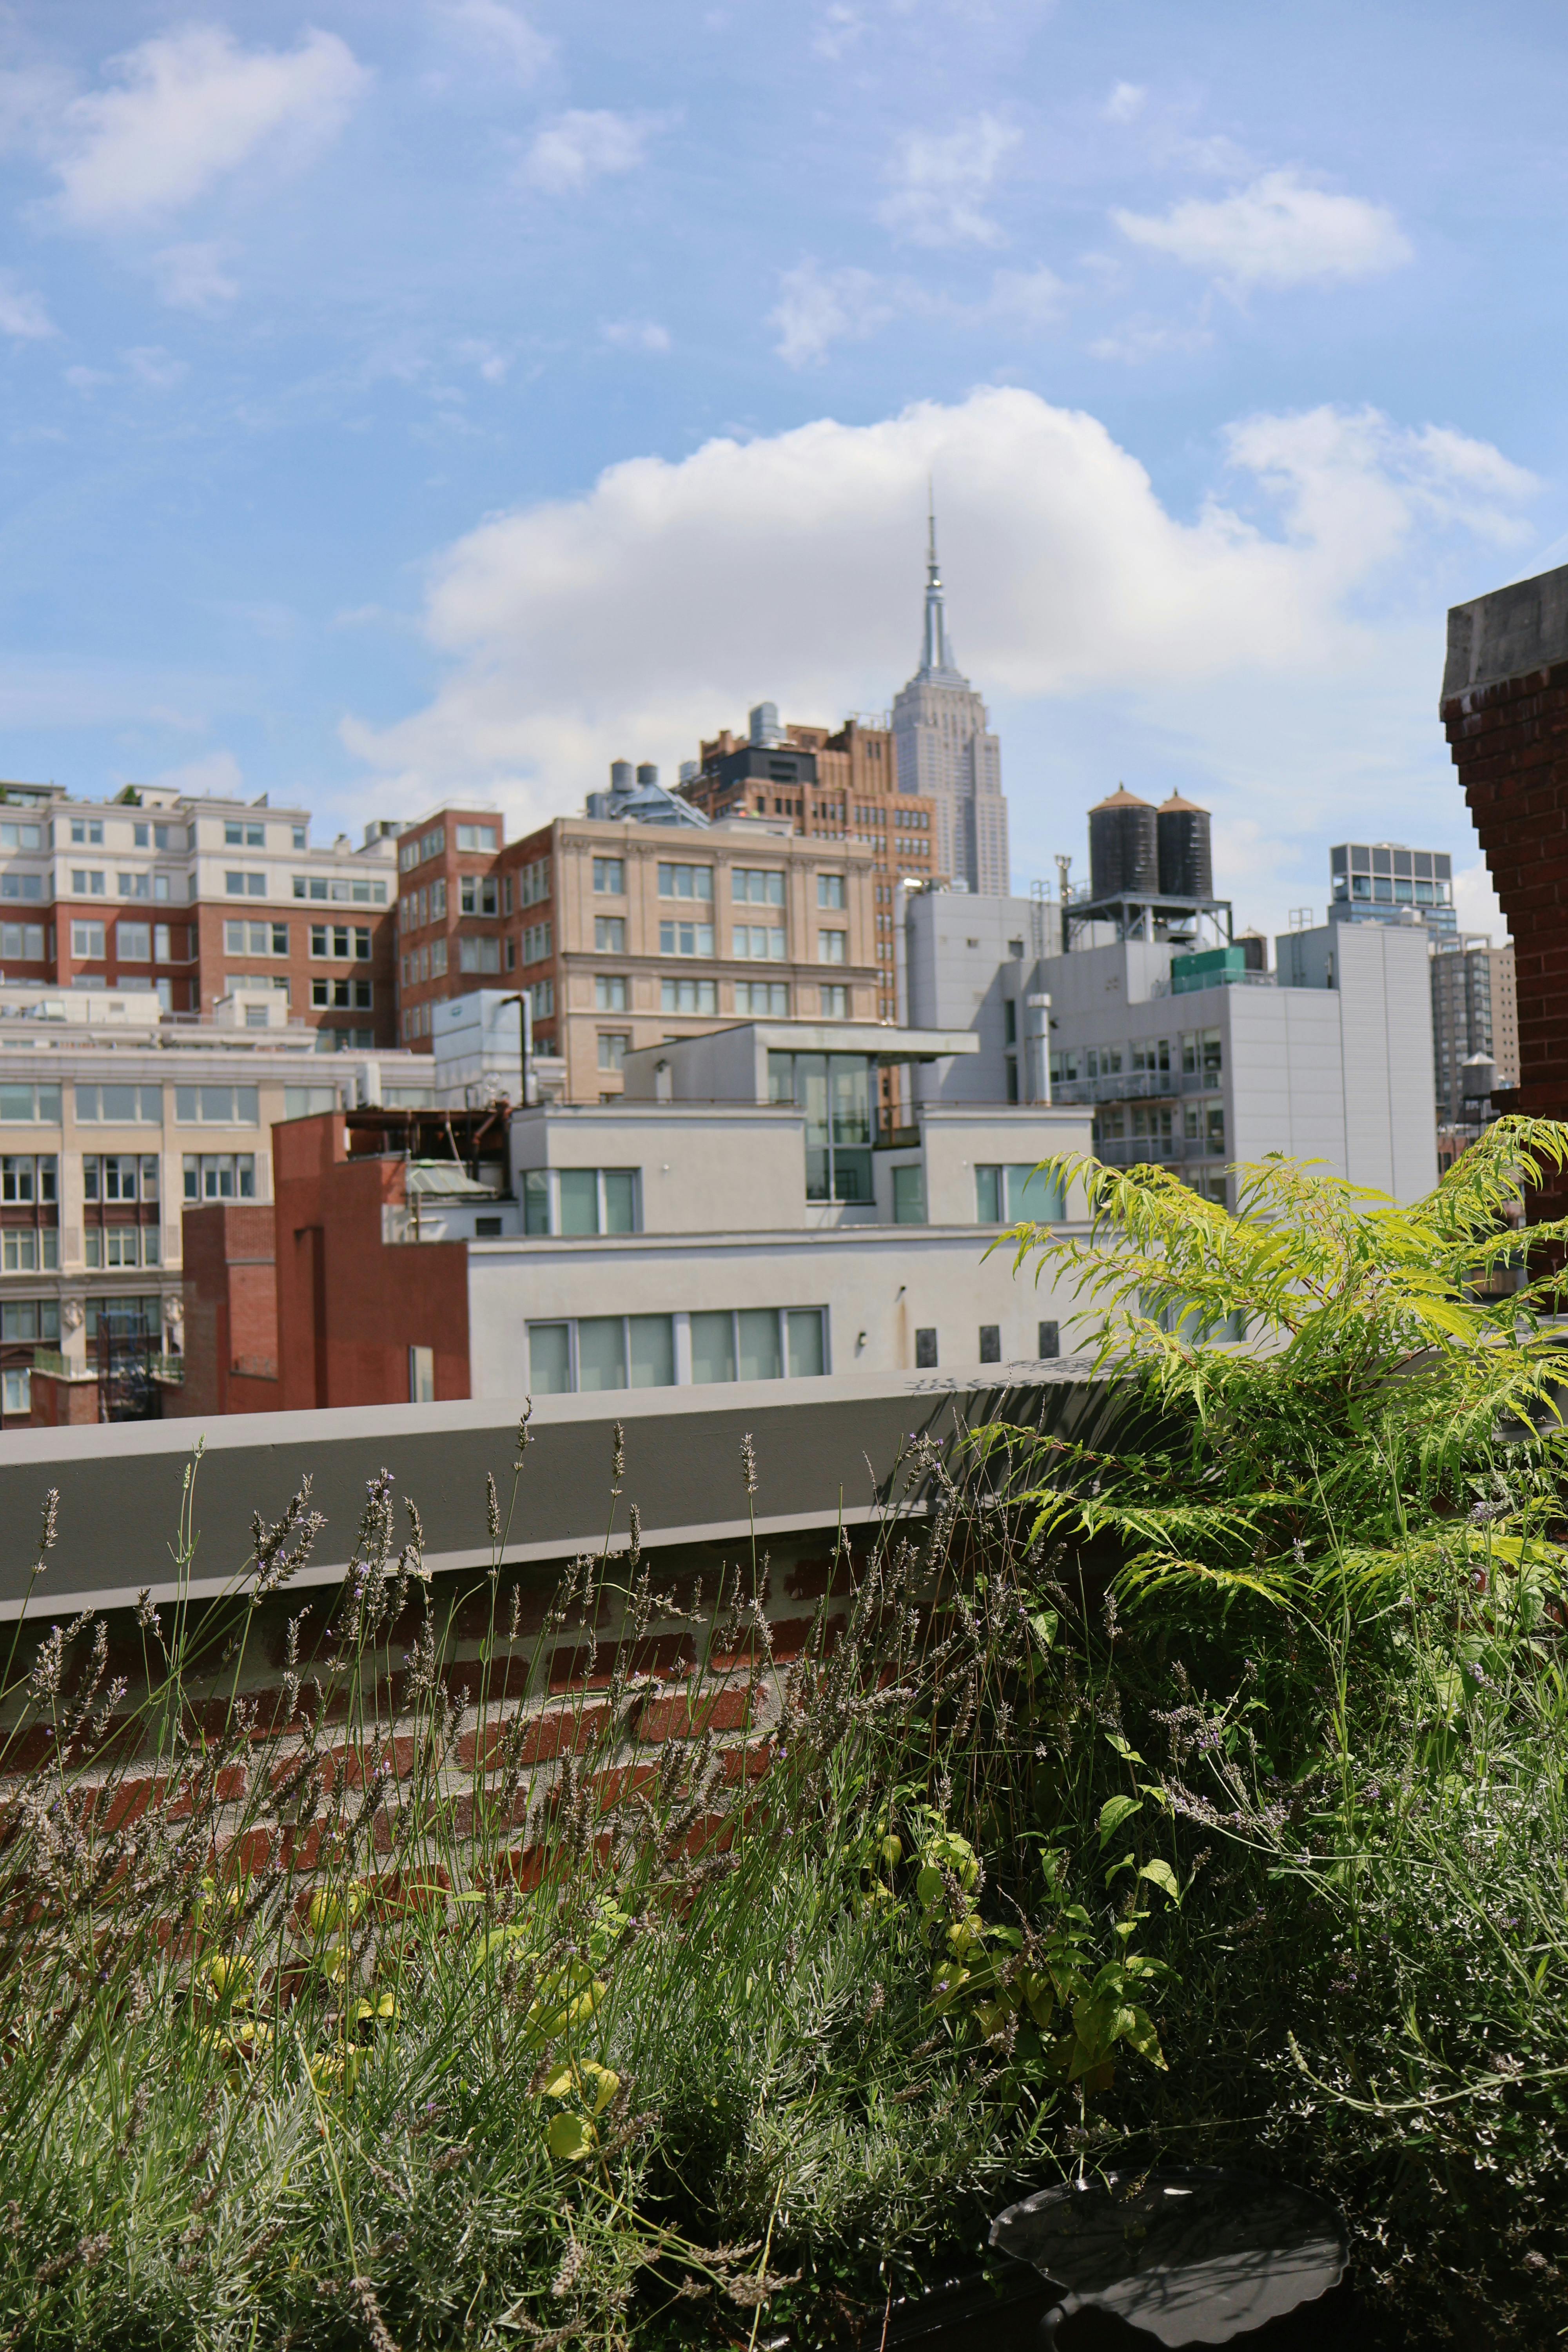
(1155, 1150)
(1137, 1086)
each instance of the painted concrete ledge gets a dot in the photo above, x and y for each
(828, 1451)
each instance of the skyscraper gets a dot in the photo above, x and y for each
(944, 749)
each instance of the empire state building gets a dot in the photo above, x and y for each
(943, 746)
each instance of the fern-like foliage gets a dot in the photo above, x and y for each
(1372, 1388)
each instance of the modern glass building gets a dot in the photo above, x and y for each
(1372, 881)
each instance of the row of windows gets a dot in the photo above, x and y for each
(1196, 1052)
(134, 942)
(33, 1178)
(1157, 1124)
(131, 1106)
(419, 847)
(752, 886)
(576, 1201)
(661, 1351)
(246, 883)
(533, 883)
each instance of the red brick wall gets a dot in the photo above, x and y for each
(350, 1304)
(231, 1312)
(62, 1404)
(1509, 744)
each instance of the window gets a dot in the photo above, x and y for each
(768, 998)
(910, 1195)
(688, 996)
(299, 837)
(830, 891)
(21, 837)
(22, 942)
(533, 881)
(342, 995)
(1016, 1194)
(577, 1202)
(245, 836)
(304, 1102)
(120, 1246)
(476, 836)
(1204, 1123)
(133, 885)
(1152, 1054)
(438, 902)
(991, 1343)
(612, 1047)
(120, 1176)
(602, 1351)
(752, 886)
(542, 999)
(757, 1343)
(220, 1176)
(835, 1004)
(836, 1091)
(1201, 1053)
(477, 894)
(339, 940)
(434, 843)
(87, 943)
(87, 885)
(925, 1351)
(30, 1319)
(20, 1104)
(686, 882)
(244, 885)
(832, 947)
(422, 1360)
(610, 992)
(89, 831)
(609, 876)
(1050, 1341)
(28, 1177)
(21, 885)
(16, 1391)
(537, 939)
(120, 1106)
(759, 943)
(479, 955)
(134, 942)
(684, 939)
(31, 1253)
(253, 939)
(436, 956)
(215, 1106)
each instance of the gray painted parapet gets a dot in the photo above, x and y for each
(1509, 634)
(829, 1452)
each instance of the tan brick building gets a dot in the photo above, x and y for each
(830, 785)
(625, 934)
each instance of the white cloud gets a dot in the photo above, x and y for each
(1125, 103)
(86, 379)
(818, 307)
(1142, 340)
(193, 278)
(839, 29)
(186, 108)
(1280, 231)
(579, 146)
(941, 181)
(635, 335)
(1476, 903)
(656, 607)
(502, 32)
(154, 366)
(22, 312)
(217, 772)
(1031, 299)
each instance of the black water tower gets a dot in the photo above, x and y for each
(1123, 848)
(1187, 861)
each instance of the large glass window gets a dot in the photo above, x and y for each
(119, 1176)
(910, 1195)
(713, 1346)
(609, 936)
(550, 1359)
(830, 890)
(685, 939)
(20, 1104)
(215, 1106)
(602, 1351)
(22, 942)
(758, 943)
(756, 885)
(758, 1343)
(610, 876)
(1014, 1194)
(836, 1091)
(219, 1176)
(30, 1253)
(832, 947)
(688, 996)
(587, 1201)
(87, 943)
(30, 1319)
(27, 1176)
(686, 882)
(767, 998)
(1202, 1053)
(610, 992)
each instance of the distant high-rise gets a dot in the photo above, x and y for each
(944, 751)
(1378, 881)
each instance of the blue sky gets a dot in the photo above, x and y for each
(428, 397)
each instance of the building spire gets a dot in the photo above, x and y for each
(935, 653)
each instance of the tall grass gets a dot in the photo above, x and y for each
(1190, 1790)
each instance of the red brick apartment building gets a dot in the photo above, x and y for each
(157, 890)
(1505, 710)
